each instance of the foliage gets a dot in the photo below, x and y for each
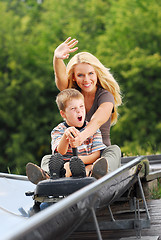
(156, 193)
(123, 34)
(133, 50)
(27, 90)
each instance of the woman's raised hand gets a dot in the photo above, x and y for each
(64, 49)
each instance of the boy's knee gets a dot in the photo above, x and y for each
(45, 162)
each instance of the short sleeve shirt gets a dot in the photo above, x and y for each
(102, 96)
(90, 145)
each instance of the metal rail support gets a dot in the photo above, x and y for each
(137, 225)
(111, 214)
(143, 197)
(96, 224)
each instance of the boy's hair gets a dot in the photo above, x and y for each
(67, 94)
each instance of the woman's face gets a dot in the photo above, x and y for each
(85, 77)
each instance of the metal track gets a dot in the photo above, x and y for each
(75, 208)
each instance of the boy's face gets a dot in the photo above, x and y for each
(74, 113)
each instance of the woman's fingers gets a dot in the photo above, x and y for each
(64, 49)
(74, 49)
(71, 44)
(65, 56)
(66, 41)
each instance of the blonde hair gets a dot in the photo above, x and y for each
(105, 78)
(66, 95)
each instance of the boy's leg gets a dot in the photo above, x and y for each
(77, 167)
(89, 169)
(45, 163)
(67, 168)
(36, 174)
(56, 166)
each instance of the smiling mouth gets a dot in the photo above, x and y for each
(79, 118)
(87, 85)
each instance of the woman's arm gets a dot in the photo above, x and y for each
(60, 73)
(63, 145)
(98, 119)
(91, 158)
(62, 52)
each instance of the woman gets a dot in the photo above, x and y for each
(101, 93)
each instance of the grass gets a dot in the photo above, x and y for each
(156, 194)
(134, 149)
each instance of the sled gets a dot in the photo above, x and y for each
(85, 196)
(81, 211)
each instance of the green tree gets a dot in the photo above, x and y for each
(123, 34)
(130, 46)
(27, 90)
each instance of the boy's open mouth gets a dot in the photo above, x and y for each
(80, 118)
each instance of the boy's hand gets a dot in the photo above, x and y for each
(65, 48)
(70, 133)
(77, 140)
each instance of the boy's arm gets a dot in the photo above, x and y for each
(63, 145)
(91, 158)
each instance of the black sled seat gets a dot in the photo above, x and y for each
(53, 190)
(48, 190)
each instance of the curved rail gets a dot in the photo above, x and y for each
(41, 225)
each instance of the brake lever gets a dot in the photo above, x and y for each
(75, 151)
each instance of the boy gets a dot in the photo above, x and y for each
(62, 162)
